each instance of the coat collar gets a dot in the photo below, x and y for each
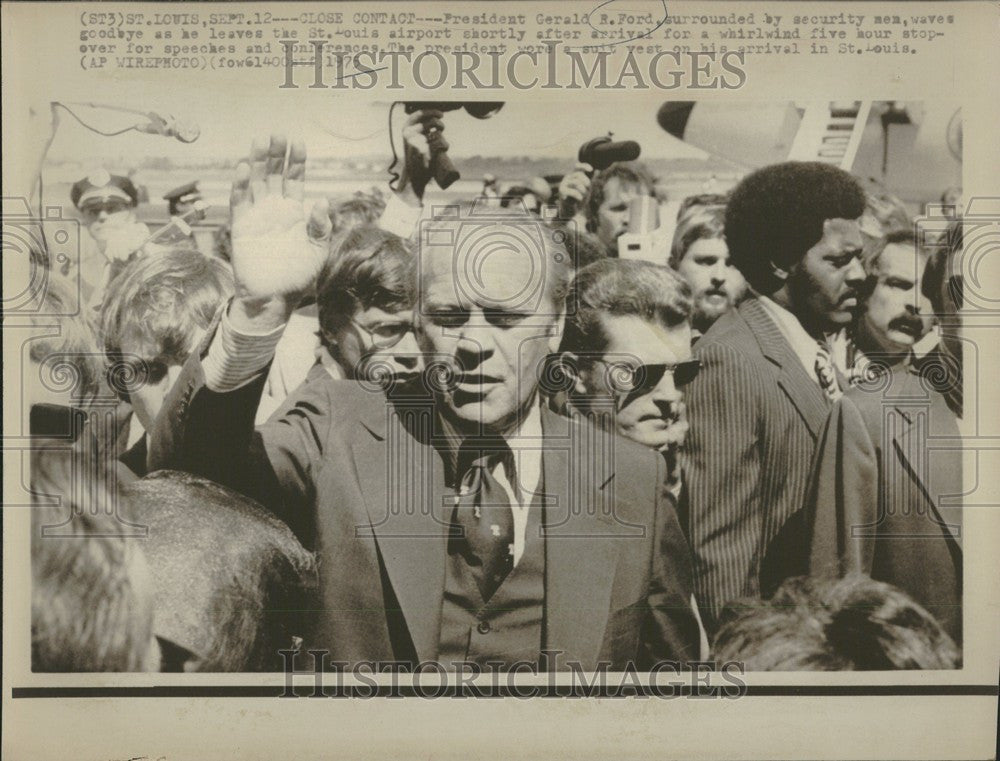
(802, 390)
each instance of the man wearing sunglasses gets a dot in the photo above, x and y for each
(106, 204)
(627, 350)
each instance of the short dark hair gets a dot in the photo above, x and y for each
(369, 267)
(776, 214)
(620, 288)
(627, 173)
(698, 223)
(849, 624)
(232, 581)
(161, 300)
(91, 591)
(938, 269)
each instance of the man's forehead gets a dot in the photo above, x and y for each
(902, 260)
(843, 227)
(497, 261)
(624, 188)
(647, 340)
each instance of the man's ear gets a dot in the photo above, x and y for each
(570, 364)
(555, 336)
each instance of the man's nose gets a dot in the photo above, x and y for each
(719, 273)
(407, 353)
(921, 305)
(855, 272)
(474, 337)
(666, 391)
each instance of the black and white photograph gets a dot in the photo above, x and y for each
(461, 361)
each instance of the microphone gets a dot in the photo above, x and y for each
(601, 152)
(186, 132)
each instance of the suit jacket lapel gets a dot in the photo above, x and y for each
(403, 485)
(582, 540)
(801, 389)
(937, 475)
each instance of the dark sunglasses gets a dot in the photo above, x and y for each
(626, 378)
(111, 206)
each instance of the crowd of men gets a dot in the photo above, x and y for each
(479, 435)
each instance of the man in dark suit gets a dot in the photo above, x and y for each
(470, 525)
(767, 379)
(887, 483)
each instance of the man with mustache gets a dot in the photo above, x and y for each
(700, 254)
(767, 379)
(883, 498)
(894, 314)
(479, 528)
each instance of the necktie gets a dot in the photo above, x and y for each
(825, 373)
(484, 514)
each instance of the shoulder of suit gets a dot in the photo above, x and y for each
(630, 458)
(342, 401)
(731, 331)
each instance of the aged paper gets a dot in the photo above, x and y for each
(174, 93)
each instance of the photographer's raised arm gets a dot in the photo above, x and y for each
(405, 205)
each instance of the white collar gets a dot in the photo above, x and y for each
(803, 344)
(529, 433)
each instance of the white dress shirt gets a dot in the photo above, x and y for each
(803, 345)
(526, 444)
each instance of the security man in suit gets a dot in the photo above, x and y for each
(467, 525)
(767, 379)
(886, 486)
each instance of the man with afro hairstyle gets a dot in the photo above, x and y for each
(767, 381)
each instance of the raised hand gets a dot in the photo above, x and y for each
(421, 132)
(277, 252)
(573, 190)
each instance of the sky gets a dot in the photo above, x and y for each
(333, 124)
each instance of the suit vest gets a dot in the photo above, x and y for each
(508, 627)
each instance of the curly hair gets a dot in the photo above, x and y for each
(849, 624)
(776, 214)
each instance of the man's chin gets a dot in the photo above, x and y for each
(471, 414)
(713, 309)
(705, 315)
(655, 436)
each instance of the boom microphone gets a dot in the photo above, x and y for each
(601, 152)
(186, 132)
